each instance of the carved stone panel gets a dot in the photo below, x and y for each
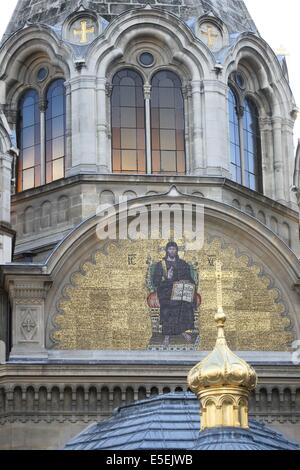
(28, 323)
(27, 300)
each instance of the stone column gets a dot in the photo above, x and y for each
(289, 159)
(198, 161)
(6, 234)
(147, 97)
(216, 128)
(83, 106)
(43, 107)
(278, 160)
(187, 95)
(27, 299)
(265, 125)
(68, 156)
(103, 125)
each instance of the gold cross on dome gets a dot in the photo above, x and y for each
(211, 36)
(282, 51)
(84, 31)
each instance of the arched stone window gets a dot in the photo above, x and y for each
(245, 141)
(55, 131)
(148, 130)
(41, 136)
(167, 124)
(234, 135)
(128, 123)
(29, 163)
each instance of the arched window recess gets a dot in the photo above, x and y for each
(41, 136)
(244, 140)
(147, 123)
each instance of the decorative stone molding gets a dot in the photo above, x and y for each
(27, 299)
(75, 402)
(23, 290)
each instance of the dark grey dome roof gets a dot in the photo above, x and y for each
(171, 421)
(233, 12)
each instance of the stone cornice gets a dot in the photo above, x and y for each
(27, 289)
(5, 229)
(86, 370)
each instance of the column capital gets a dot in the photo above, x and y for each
(108, 89)
(43, 104)
(240, 111)
(147, 91)
(277, 121)
(187, 90)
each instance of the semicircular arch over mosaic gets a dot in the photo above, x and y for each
(106, 306)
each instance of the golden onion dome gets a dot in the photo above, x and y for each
(222, 382)
(221, 367)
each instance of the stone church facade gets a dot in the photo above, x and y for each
(158, 102)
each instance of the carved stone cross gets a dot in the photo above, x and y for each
(28, 324)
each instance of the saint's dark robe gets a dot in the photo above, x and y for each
(176, 316)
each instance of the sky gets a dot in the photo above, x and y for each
(276, 20)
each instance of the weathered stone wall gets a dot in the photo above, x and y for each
(232, 12)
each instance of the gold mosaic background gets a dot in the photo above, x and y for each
(106, 306)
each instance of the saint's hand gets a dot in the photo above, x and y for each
(170, 272)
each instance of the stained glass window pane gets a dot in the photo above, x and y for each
(28, 158)
(129, 160)
(234, 136)
(252, 146)
(58, 148)
(55, 130)
(128, 117)
(128, 123)
(167, 124)
(128, 139)
(117, 160)
(28, 136)
(141, 161)
(58, 126)
(28, 178)
(167, 118)
(58, 169)
(168, 161)
(167, 140)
